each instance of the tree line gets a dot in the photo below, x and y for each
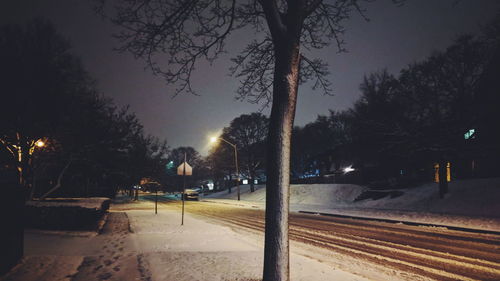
(440, 110)
(60, 136)
(434, 113)
(399, 127)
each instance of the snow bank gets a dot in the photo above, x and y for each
(315, 194)
(474, 197)
(66, 213)
(258, 195)
(89, 203)
(472, 203)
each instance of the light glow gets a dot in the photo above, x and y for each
(40, 143)
(213, 139)
(348, 169)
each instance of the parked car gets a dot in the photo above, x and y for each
(192, 193)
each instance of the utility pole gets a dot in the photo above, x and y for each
(183, 186)
(213, 140)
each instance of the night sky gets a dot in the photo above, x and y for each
(393, 38)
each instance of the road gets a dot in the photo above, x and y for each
(413, 251)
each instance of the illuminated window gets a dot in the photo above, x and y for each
(448, 172)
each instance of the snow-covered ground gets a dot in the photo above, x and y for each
(203, 251)
(471, 204)
(158, 248)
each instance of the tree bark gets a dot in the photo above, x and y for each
(12, 209)
(252, 179)
(286, 73)
(33, 186)
(59, 180)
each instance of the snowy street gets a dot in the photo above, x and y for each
(374, 249)
(224, 241)
(136, 244)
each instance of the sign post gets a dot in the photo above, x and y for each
(185, 170)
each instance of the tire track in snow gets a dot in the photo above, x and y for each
(438, 254)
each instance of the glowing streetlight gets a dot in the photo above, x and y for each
(213, 140)
(40, 143)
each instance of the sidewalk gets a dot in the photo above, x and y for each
(158, 248)
(203, 251)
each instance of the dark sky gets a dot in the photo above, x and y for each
(392, 39)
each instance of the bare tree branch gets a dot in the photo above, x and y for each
(317, 70)
(188, 30)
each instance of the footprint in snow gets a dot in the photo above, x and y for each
(97, 268)
(105, 276)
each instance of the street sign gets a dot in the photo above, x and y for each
(180, 169)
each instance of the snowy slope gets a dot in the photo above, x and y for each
(471, 203)
(315, 194)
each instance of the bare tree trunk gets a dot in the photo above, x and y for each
(59, 179)
(252, 179)
(33, 186)
(286, 73)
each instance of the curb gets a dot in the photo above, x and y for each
(231, 203)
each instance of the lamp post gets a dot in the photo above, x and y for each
(213, 140)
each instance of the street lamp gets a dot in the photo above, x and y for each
(34, 145)
(40, 143)
(213, 140)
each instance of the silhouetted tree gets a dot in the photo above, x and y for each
(40, 78)
(315, 147)
(221, 161)
(486, 141)
(373, 121)
(248, 132)
(50, 97)
(269, 67)
(421, 115)
(438, 94)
